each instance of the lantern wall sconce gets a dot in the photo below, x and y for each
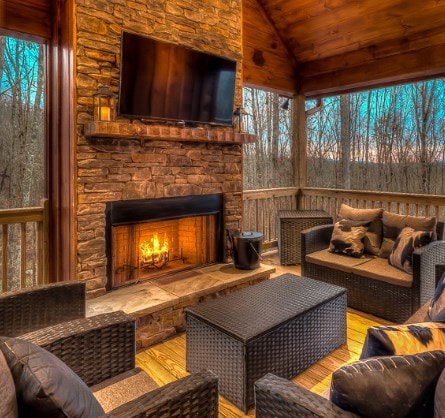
(104, 102)
(240, 120)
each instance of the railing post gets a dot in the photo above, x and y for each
(299, 144)
(45, 255)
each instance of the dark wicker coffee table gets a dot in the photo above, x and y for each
(281, 326)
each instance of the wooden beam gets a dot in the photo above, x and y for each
(31, 17)
(299, 141)
(409, 66)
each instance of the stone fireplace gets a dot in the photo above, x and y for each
(129, 161)
(151, 238)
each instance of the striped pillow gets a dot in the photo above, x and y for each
(404, 339)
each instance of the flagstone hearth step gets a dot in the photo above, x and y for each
(158, 304)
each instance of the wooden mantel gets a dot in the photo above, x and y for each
(165, 132)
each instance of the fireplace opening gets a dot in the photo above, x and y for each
(151, 238)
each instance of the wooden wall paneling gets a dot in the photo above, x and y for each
(32, 17)
(266, 61)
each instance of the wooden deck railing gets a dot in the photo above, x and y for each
(32, 227)
(261, 206)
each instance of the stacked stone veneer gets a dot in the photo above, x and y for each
(113, 169)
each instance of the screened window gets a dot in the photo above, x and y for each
(22, 157)
(268, 162)
(390, 139)
(22, 127)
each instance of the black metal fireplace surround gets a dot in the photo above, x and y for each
(126, 212)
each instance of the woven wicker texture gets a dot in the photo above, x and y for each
(193, 396)
(389, 301)
(280, 326)
(25, 310)
(95, 348)
(256, 310)
(290, 225)
(278, 398)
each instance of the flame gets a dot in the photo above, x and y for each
(155, 249)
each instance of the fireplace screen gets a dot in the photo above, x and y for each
(148, 238)
(148, 249)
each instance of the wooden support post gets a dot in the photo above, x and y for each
(299, 145)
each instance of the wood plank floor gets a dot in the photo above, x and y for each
(166, 362)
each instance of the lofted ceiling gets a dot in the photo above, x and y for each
(322, 46)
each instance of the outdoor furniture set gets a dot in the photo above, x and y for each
(398, 374)
(44, 330)
(373, 284)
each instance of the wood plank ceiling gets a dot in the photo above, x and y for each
(319, 47)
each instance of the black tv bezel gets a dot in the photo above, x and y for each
(151, 119)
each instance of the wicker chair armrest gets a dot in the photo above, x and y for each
(195, 395)
(37, 307)
(276, 397)
(314, 239)
(424, 268)
(95, 348)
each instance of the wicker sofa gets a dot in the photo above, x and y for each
(373, 285)
(99, 349)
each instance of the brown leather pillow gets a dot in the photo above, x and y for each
(373, 237)
(45, 386)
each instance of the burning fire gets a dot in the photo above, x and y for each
(154, 250)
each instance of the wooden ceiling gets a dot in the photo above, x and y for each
(322, 46)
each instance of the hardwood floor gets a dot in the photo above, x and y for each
(166, 362)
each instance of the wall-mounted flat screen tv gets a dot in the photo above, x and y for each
(164, 81)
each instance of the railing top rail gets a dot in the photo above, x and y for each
(376, 196)
(269, 193)
(20, 215)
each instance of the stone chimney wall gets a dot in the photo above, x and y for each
(112, 169)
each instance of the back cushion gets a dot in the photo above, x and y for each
(394, 223)
(373, 237)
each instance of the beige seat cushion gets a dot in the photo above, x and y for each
(379, 269)
(123, 388)
(336, 261)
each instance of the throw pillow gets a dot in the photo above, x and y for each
(45, 386)
(393, 386)
(401, 255)
(8, 400)
(436, 310)
(347, 237)
(393, 223)
(373, 237)
(403, 339)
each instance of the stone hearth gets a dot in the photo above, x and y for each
(158, 304)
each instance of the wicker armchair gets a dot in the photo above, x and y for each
(99, 348)
(380, 298)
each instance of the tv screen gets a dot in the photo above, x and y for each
(160, 80)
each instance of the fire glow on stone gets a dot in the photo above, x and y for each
(155, 250)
